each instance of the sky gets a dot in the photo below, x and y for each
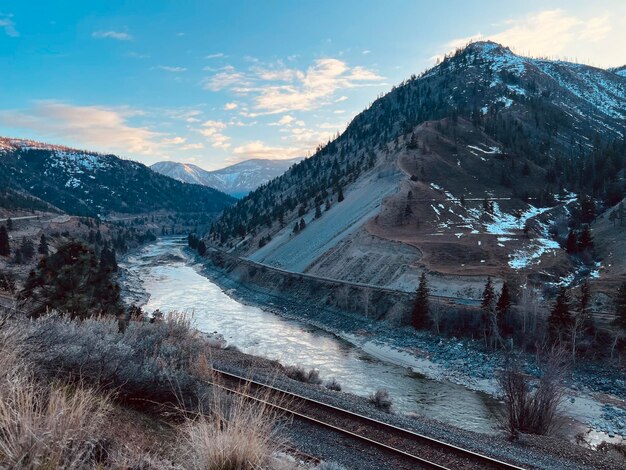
(218, 82)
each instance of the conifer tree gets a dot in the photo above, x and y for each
(586, 240)
(318, 211)
(420, 308)
(620, 307)
(560, 318)
(43, 249)
(9, 224)
(571, 246)
(5, 248)
(340, 194)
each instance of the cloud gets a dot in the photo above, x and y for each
(219, 55)
(173, 141)
(168, 68)
(117, 35)
(194, 146)
(94, 127)
(286, 120)
(366, 51)
(258, 149)
(279, 89)
(557, 33)
(8, 25)
(213, 131)
(230, 106)
(228, 77)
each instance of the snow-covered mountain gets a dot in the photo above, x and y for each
(88, 183)
(236, 180)
(465, 169)
(619, 70)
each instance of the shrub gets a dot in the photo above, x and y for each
(332, 384)
(381, 399)
(48, 427)
(532, 408)
(147, 360)
(237, 434)
(301, 375)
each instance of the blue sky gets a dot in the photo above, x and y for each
(216, 82)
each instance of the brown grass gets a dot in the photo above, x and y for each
(235, 434)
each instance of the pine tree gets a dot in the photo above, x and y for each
(43, 249)
(620, 307)
(504, 301)
(420, 308)
(586, 240)
(5, 248)
(9, 224)
(571, 245)
(488, 296)
(302, 225)
(201, 248)
(27, 248)
(560, 318)
(318, 211)
(340, 194)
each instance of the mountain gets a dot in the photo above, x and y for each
(88, 183)
(620, 70)
(236, 180)
(471, 169)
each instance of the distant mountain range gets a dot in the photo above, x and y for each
(236, 180)
(81, 182)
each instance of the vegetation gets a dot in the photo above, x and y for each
(420, 314)
(5, 248)
(533, 408)
(381, 399)
(301, 375)
(74, 281)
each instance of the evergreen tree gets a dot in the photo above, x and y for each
(5, 248)
(318, 211)
(420, 308)
(586, 240)
(302, 225)
(560, 318)
(27, 248)
(108, 260)
(504, 301)
(201, 248)
(489, 296)
(340, 194)
(71, 282)
(43, 249)
(9, 224)
(571, 246)
(620, 307)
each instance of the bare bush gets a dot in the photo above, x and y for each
(332, 384)
(532, 405)
(147, 360)
(301, 375)
(381, 399)
(236, 434)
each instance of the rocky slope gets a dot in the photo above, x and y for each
(236, 180)
(475, 165)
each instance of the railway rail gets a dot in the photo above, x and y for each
(413, 449)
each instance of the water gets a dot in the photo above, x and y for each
(174, 284)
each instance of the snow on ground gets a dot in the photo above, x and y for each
(297, 252)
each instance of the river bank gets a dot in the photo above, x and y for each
(596, 395)
(447, 360)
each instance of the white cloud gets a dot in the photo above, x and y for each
(230, 106)
(559, 34)
(286, 120)
(278, 89)
(228, 77)
(173, 141)
(258, 149)
(194, 146)
(340, 99)
(93, 127)
(117, 35)
(8, 25)
(366, 51)
(219, 55)
(213, 131)
(168, 68)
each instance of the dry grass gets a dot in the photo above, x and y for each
(236, 434)
(381, 399)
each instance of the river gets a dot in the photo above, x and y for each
(174, 283)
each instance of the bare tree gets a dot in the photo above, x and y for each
(532, 405)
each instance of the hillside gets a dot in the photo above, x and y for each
(471, 169)
(237, 180)
(87, 183)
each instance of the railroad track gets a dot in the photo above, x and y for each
(413, 449)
